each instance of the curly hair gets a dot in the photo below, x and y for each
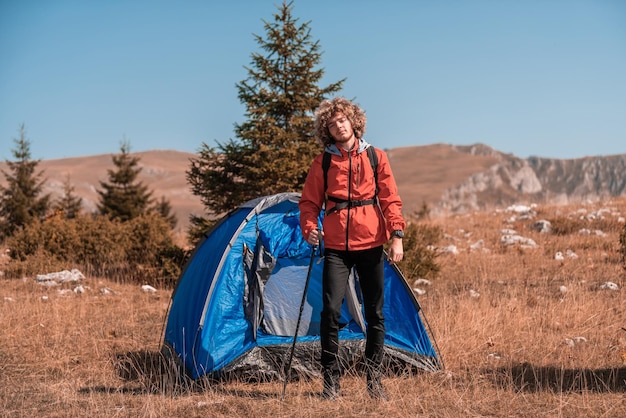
(328, 108)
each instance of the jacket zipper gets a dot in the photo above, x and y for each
(349, 194)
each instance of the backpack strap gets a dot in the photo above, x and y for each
(371, 153)
(342, 204)
(325, 166)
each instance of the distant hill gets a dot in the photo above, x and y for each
(447, 178)
(162, 171)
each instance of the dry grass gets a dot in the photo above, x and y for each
(513, 351)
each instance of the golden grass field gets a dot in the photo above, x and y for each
(542, 339)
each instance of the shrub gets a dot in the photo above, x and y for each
(140, 250)
(567, 226)
(419, 260)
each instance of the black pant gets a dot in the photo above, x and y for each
(370, 268)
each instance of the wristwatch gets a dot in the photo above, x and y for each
(397, 233)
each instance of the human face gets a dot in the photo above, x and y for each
(341, 130)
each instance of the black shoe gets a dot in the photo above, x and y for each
(330, 394)
(331, 387)
(376, 389)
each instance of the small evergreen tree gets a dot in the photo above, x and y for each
(123, 197)
(164, 208)
(198, 227)
(275, 145)
(69, 204)
(22, 200)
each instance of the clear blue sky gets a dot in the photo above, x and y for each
(531, 77)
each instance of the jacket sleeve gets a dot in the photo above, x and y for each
(312, 198)
(390, 201)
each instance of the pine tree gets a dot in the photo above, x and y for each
(22, 202)
(123, 197)
(164, 208)
(69, 204)
(275, 145)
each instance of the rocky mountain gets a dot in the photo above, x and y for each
(512, 180)
(445, 178)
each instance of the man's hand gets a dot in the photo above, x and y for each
(315, 237)
(396, 251)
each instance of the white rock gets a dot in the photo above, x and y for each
(517, 239)
(569, 342)
(542, 226)
(450, 249)
(609, 286)
(106, 291)
(61, 276)
(579, 339)
(474, 293)
(79, 289)
(518, 208)
(451, 237)
(49, 283)
(509, 239)
(508, 231)
(419, 291)
(559, 256)
(9, 299)
(419, 282)
(563, 289)
(527, 215)
(477, 245)
(148, 289)
(571, 254)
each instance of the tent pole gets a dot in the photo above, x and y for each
(295, 337)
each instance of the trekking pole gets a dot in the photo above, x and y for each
(295, 337)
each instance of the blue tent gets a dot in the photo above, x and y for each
(235, 307)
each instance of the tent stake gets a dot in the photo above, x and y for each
(295, 337)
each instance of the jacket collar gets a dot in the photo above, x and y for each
(334, 149)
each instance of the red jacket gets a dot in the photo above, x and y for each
(350, 177)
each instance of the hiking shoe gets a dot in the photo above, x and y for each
(331, 387)
(376, 389)
(330, 393)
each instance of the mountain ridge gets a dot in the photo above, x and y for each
(536, 180)
(445, 178)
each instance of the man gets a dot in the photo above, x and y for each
(363, 210)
